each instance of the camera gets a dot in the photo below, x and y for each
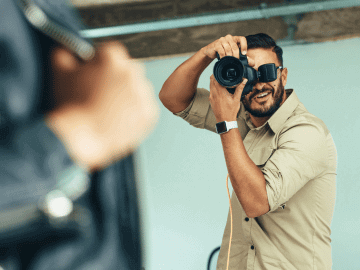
(230, 71)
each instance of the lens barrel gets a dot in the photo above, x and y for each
(229, 71)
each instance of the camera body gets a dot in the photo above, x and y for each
(230, 71)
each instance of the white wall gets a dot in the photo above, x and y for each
(182, 170)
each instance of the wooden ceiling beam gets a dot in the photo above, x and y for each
(311, 27)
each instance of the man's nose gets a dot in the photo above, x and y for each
(259, 86)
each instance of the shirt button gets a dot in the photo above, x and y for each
(246, 219)
(252, 247)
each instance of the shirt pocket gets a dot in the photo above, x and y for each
(261, 155)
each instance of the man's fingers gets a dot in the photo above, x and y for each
(227, 48)
(212, 87)
(239, 89)
(220, 49)
(212, 81)
(64, 60)
(212, 78)
(242, 42)
(215, 87)
(111, 51)
(234, 46)
(231, 46)
(215, 82)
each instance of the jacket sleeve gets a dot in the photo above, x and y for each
(32, 165)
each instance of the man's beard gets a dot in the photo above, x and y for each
(265, 111)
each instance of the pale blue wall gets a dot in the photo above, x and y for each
(182, 170)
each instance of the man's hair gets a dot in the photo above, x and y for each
(262, 40)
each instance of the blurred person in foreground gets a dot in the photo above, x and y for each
(280, 158)
(71, 117)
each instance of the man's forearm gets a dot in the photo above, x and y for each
(246, 178)
(179, 89)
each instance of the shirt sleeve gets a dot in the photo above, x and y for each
(199, 113)
(299, 158)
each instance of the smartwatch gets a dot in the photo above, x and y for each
(223, 127)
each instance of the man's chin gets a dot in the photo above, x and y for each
(262, 110)
(260, 113)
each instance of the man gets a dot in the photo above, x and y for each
(70, 121)
(281, 159)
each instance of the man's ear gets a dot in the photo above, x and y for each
(284, 74)
(63, 60)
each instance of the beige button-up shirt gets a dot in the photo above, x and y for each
(297, 156)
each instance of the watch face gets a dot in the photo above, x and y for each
(221, 127)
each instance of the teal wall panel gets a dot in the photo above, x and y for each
(182, 172)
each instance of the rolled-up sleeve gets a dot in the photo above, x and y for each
(299, 158)
(199, 113)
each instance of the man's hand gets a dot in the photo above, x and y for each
(225, 105)
(227, 46)
(105, 107)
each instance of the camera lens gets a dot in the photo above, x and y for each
(228, 71)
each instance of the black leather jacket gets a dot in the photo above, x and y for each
(54, 214)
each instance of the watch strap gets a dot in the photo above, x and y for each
(231, 125)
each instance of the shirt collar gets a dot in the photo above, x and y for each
(280, 116)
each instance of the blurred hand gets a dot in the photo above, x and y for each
(228, 46)
(105, 107)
